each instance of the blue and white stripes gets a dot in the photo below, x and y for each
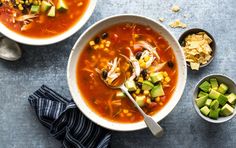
(66, 122)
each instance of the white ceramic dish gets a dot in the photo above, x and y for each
(90, 33)
(221, 79)
(51, 40)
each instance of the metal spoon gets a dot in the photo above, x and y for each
(9, 50)
(154, 127)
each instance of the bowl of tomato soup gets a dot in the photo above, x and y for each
(43, 22)
(137, 48)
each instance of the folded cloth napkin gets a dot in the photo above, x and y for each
(66, 122)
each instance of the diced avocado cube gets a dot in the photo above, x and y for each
(45, 6)
(214, 114)
(205, 86)
(205, 110)
(223, 88)
(52, 12)
(147, 85)
(130, 85)
(227, 110)
(214, 94)
(208, 102)
(222, 99)
(140, 100)
(120, 94)
(157, 91)
(61, 5)
(200, 102)
(214, 104)
(35, 9)
(214, 83)
(156, 77)
(231, 98)
(201, 94)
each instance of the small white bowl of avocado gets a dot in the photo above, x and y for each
(214, 98)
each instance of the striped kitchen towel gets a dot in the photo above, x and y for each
(66, 122)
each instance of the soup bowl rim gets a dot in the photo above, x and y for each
(5, 31)
(78, 98)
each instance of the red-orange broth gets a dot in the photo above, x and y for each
(97, 95)
(44, 26)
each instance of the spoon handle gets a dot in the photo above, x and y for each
(125, 90)
(154, 127)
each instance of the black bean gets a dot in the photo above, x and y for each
(139, 84)
(97, 40)
(0, 3)
(104, 74)
(144, 73)
(170, 64)
(104, 35)
(138, 55)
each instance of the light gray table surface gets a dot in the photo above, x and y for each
(19, 127)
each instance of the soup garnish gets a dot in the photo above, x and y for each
(41, 18)
(136, 54)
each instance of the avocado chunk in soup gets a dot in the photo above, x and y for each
(149, 67)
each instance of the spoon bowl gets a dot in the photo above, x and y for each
(9, 50)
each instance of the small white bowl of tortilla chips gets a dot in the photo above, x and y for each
(199, 47)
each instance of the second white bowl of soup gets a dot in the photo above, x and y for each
(156, 71)
(43, 22)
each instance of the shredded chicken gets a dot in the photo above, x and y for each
(112, 73)
(135, 64)
(157, 67)
(147, 46)
(150, 54)
(27, 17)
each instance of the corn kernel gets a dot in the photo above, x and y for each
(149, 101)
(141, 61)
(131, 43)
(129, 114)
(117, 69)
(136, 36)
(96, 47)
(91, 43)
(137, 91)
(140, 79)
(158, 99)
(122, 114)
(165, 74)
(167, 79)
(133, 95)
(146, 58)
(101, 46)
(146, 92)
(143, 65)
(103, 41)
(125, 111)
(106, 49)
(108, 42)
(161, 103)
(80, 4)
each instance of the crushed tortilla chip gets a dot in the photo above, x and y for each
(175, 8)
(161, 19)
(197, 49)
(177, 24)
(194, 66)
